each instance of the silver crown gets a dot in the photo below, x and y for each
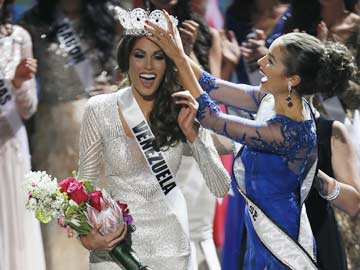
(133, 21)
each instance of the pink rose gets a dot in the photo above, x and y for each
(64, 184)
(95, 197)
(77, 192)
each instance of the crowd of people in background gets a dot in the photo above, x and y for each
(56, 55)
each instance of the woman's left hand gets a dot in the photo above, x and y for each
(168, 40)
(186, 118)
(25, 70)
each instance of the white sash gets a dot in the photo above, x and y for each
(295, 255)
(70, 43)
(154, 159)
(9, 110)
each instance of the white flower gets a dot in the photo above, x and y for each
(40, 185)
(44, 194)
(58, 203)
(32, 203)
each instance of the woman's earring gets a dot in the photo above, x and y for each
(289, 99)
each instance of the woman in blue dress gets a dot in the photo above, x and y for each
(276, 166)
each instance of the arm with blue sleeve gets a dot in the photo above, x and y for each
(239, 96)
(273, 136)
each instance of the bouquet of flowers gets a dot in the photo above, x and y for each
(79, 206)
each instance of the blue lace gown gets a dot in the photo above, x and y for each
(276, 156)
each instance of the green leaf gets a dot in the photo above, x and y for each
(83, 229)
(71, 210)
(88, 185)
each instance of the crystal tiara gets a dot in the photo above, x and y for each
(133, 21)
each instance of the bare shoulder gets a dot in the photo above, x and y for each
(340, 132)
(353, 19)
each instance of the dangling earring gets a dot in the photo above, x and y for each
(289, 99)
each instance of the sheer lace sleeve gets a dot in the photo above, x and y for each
(25, 96)
(279, 135)
(91, 147)
(204, 152)
(240, 96)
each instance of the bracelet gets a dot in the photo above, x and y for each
(333, 194)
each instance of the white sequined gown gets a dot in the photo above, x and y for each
(20, 236)
(159, 239)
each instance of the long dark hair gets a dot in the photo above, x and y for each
(5, 12)
(97, 22)
(203, 43)
(163, 117)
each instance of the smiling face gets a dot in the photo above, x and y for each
(272, 66)
(147, 67)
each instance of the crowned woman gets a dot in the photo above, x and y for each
(141, 134)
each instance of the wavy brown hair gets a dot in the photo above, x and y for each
(163, 117)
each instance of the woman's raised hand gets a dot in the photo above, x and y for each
(96, 241)
(231, 50)
(186, 118)
(25, 70)
(168, 40)
(188, 32)
(254, 48)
